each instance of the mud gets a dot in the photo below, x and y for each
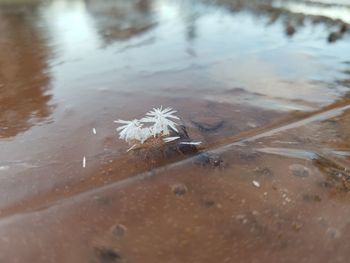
(262, 84)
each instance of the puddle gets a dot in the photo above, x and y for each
(264, 85)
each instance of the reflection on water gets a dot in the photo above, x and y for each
(24, 77)
(159, 45)
(332, 10)
(243, 75)
(121, 20)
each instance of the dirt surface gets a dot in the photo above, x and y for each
(264, 85)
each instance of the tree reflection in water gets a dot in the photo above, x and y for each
(24, 78)
(120, 20)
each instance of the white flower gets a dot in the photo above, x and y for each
(132, 130)
(161, 119)
(145, 133)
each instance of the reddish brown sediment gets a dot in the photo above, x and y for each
(271, 180)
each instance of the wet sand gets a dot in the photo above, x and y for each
(260, 84)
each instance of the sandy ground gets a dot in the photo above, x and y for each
(264, 85)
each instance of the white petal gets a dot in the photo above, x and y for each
(132, 147)
(256, 184)
(170, 139)
(121, 121)
(191, 143)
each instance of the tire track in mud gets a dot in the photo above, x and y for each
(237, 140)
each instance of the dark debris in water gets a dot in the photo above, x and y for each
(207, 203)
(208, 125)
(337, 176)
(263, 171)
(311, 198)
(107, 255)
(210, 160)
(179, 189)
(159, 150)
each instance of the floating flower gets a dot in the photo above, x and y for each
(132, 130)
(160, 123)
(161, 120)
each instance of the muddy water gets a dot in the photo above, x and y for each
(263, 84)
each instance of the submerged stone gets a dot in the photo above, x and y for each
(299, 170)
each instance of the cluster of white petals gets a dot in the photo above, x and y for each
(160, 120)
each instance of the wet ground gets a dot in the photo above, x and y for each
(263, 84)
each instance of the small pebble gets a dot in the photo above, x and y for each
(118, 230)
(297, 226)
(179, 189)
(255, 213)
(333, 232)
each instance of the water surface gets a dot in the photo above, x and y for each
(274, 73)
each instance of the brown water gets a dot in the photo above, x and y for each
(274, 74)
